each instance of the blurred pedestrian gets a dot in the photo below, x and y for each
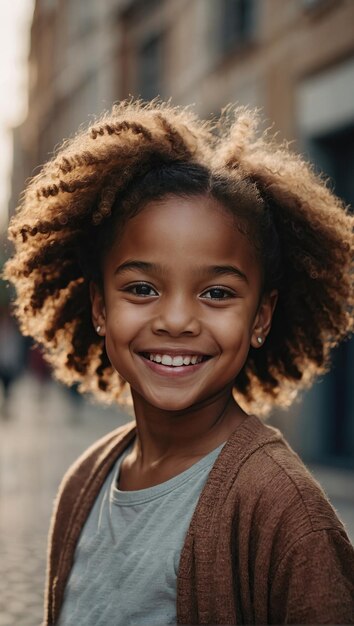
(201, 268)
(11, 357)
(40, 370)
(38, 366)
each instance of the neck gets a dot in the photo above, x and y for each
(192, 432)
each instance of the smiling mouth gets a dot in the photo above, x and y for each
(178, 360)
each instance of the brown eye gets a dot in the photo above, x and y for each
(143, 290)
(218, 293)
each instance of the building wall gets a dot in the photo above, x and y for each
(86, 55)
(72, 76)
(286, 44)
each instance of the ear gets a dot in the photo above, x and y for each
(98, 309)
(263, 320)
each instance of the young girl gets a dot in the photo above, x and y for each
(211, 271)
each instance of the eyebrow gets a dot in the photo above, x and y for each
(231, 270)
(214, 270)
(144, 266)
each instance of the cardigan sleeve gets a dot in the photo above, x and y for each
(314, 582)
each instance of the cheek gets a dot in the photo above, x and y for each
(232, 330)
(117, 348)
(123, 321)
(124, 324)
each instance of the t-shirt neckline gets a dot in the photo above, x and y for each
(140, 496)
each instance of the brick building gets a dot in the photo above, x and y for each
(292, 58)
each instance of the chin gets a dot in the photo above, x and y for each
(171, 405)
(169, 402)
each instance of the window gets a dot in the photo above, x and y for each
(150, 68)
(81, 17)
(49, 4)
(334, 154)
(237, 23)
(311, 4)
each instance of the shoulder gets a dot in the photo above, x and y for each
(271, 487)
(83, 479)
(283, 519)
(102, 452)
(318, 568)
(262, 508)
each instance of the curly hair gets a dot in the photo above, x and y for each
(69, 214)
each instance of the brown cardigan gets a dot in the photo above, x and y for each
(264, 545)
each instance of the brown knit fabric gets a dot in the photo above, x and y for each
(264, 545)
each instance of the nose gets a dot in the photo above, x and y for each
(176, 316)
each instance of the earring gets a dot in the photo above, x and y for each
(98, 328)
(260, 340)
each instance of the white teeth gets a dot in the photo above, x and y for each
(175, 361)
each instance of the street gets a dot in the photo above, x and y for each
(46, 429)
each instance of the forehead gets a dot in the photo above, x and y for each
(187, 231)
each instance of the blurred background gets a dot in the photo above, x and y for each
(64, 61)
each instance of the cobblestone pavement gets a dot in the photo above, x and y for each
(46, 429)
(22, 580)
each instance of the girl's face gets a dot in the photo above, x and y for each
(181, 302)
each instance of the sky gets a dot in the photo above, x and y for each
(15, 25)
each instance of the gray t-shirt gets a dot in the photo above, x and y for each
(126, 561)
